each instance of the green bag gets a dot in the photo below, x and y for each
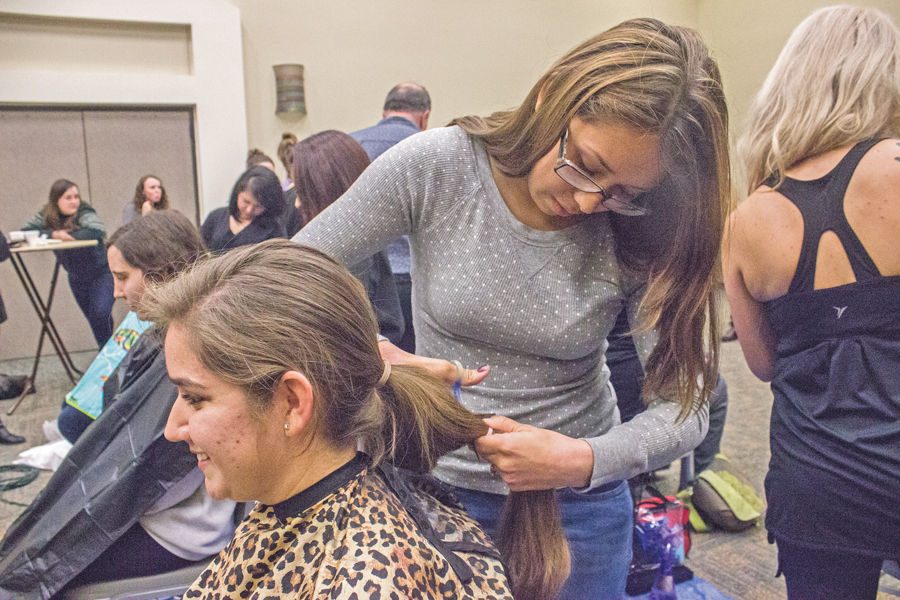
(722, 497)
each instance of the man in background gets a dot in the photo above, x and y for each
(406, 111)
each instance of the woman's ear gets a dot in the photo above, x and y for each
(294, 395)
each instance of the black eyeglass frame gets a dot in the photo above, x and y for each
(609, 201)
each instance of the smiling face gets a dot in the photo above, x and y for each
(241, 453)
(152, 190)
(128, 281)
(69, 202)
(617, 156)
(248, 206)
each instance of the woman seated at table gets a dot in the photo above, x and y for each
(149, 195)
(125, 502)
(67, 218)
(278, 417)
(252, 215)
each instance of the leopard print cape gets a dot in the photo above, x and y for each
(382, 534)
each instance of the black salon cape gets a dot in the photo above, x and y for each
(119, 468)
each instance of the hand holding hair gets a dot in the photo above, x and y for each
(444, 370)
(531, 458)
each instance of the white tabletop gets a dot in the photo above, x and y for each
(54, 246)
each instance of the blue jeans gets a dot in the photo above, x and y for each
(598, 525)
(94, 295)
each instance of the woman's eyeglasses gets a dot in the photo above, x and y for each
(622, 202)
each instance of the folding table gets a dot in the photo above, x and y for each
(42, 309)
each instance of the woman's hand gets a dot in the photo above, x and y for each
(146, 207)
(61, 234)
(530, 458)
(442, 369)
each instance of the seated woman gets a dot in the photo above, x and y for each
(137, 254)
(66, 217)
(280, 417)
(253, 213)
(325, 165)
(149, 195)
(124, 502)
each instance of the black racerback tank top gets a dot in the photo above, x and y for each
(834, 475)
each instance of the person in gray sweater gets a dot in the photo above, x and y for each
(529, 231)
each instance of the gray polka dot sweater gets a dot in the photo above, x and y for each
(535, 305)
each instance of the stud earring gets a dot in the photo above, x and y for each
(286, 427)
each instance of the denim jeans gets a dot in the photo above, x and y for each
(598, 525)
(94, 295)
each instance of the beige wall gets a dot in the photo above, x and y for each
(474, 56)
(747, 36)
(140, 53)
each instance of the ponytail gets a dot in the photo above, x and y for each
(420, 422)
(315, 318)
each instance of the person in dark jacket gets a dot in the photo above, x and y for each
(8, 383)
(66, 217)
(325, 166)
(253, 213)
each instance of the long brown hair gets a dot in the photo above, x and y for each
(325, 165)
(657, 79)
(316, 319)
(286, 152)
(139, 199)
(53, 219)
(160, 244)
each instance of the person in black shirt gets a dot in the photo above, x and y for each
(812, 273)
(252, 215)
(6, 381)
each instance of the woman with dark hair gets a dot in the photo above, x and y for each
(125, 502)
(252, 215)
(812, 271)
(284, 400)
(325, 166)
(149, 194)
(66, 217)
(529, 230)
(138, 254)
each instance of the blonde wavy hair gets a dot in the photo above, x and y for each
(836, 82)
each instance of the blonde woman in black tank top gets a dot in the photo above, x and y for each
(812, 272)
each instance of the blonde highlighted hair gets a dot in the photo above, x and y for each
(659, 79)
(835, 83)
(256, 312)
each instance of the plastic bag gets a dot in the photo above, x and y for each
(661, 543)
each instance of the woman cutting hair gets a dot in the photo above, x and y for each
(529, 231)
